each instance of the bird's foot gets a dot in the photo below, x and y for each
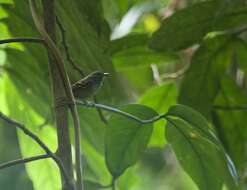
(85, 103)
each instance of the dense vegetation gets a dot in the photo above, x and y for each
(172, 114)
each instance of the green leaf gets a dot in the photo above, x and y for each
(44, 173)
(6, 1)
(126, 42)
(131, 51)
(230, 124)
(190, 115)
(92, 128)
(240, 53)
(15, 176)
(87, 44)
(91, 185)
(140, 57)
(30, 77)
(198, 151)
(200, 85)
(159, 98)
(125, 139)
(199, 19)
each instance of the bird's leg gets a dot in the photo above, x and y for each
(86, 103)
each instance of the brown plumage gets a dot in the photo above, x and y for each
(89, 85)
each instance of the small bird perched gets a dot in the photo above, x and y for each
(89, 85)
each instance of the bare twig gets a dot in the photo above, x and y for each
(72, 62)
(171, 8)
(177, 74)
(156, 74)
(12, 40)
(120, 112)
(39, 142)
(66, 47)
(23, 161)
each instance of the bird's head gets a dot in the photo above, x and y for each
(98, 76)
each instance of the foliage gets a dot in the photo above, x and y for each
(198, 140)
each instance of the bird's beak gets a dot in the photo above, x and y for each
(106, 74)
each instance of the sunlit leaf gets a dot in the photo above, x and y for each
(159, 98)
(44, 173)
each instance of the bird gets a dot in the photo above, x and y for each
(89, 85)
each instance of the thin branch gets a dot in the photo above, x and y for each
(72, 62)
(117, 111)
(230, 107)
(106, 186)
(156, 74)
(39, 142)
(66, 47)
(177, 74)
(13, 40)
(60, 115)
(238, 31)
(23, 161)
(67, 87)
(113, 184)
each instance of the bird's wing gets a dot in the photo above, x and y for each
(81, 84)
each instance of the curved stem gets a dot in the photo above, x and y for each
(66, 47)
(113, 184)
(120, 112)
(77, 147)
(39, 142)
(13, 40)
(23, 161)
(66, 83)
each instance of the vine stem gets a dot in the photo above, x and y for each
(23, 161)
(13, 40)
(120, 112)
(67, 86)
(72, 62)
(39, 142)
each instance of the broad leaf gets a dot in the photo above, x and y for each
(188, 26)
(201, 157)
(126, 42)
(44, 173)
(209, 63)
(9, 150)
(91, 185)
(125, 139)
(29, 72)
(140, 57)
(131, 51)
(231, 123)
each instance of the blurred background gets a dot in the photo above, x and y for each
(113, 36)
